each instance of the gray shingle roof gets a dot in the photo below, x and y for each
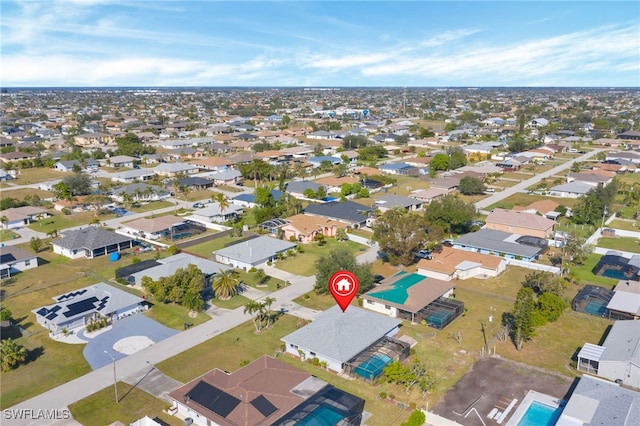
(346, 211)
(90, 238)
(498, 241)
(342, 335)
(255, 250)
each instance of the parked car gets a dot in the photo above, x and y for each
(198, 205)
(424, 254)
(377, 278)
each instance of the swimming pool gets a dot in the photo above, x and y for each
(539, 414)
(372, 367)
(321, 416)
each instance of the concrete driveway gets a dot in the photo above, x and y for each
(135, 329)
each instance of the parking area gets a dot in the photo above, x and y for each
(492, 385)
(126, 336)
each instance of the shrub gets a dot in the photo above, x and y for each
(382, 395)
(416, 418)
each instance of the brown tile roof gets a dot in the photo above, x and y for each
(369, 171)
(306, 224)
(211, 162)
(419, 295)
(266, 377)
(447, 260)
(519, 219)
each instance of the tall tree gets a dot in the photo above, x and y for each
(223, 202)
(470, 185)
(226, 284)
(523, 309)
(341, 259)
(11, 354)
(450, 213)
(401, 234)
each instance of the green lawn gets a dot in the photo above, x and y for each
(626, 225)
(154, 205)
(8, 235)
(206, 249)
(36, 175)
(269, 285)
(101, 408)
(61, 221)
(584, 273)
(521, 199)
(20, 194)
(175, 316)
(620, 243)
(304, 263)
(233, 303)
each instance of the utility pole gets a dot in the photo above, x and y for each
(115, 383)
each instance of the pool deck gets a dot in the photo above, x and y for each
(526, 403)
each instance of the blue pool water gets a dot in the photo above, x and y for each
(321, 416)
(373, 367)
(539, 414)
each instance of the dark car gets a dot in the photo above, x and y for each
(377, 278)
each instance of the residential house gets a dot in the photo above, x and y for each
(249, 200)
(213, 213)
(391, 201)
(90, 242)
(338, 337)
(14, 260)
(624, 156)
(428, 195)
(67, 166)
(74, 310)
(297, 188)
(415, 298)
(133, 175)
(625, 303)
(595, 401)
(228, 177)
(334, 184)
(169, 265)
(317, 161)
(303, 228)
(215, 164)
(263, 392)
(253, 253)
(152, 228)
(16, 156)
(94, 139)
(352, 213)
(501, 243)
(18, 217)
(593, 179)
(120, 161)
(618, 358)
(453, 264)
(139, 192)
(629, 135)
(570, 190)
(520, 222)
(195, 183)
(399, 169)
(174, 169)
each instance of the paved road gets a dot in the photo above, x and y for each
(523, 185)
(75, 390)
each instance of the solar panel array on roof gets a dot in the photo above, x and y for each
(71, 295)
(263, 405)
(213, 399)
(80, 307)
(103, 303)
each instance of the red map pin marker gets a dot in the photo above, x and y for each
(343, 286)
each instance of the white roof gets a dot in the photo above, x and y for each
(591, 352)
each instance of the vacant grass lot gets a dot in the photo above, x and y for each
(40, 174)
(620, 243)
(206, 249)
(61, 221)
(626, 225)
(20, 194)
(8, 235)
(304, 263)
(101, 408)
(175, 316)
(521, 199)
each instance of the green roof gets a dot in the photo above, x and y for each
(398, 291)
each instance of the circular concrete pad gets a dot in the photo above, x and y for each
(132, 344)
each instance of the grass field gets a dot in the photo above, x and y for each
(175, 316)
(61, 221)
(8, 235)
(37, 175)
(101, 408)
(584, 273)
(154, 205)
(20, 194)
(206, 249)
(304, 263)
(626, 225)
(620, 243)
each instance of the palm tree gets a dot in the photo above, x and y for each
(223, 202)
(255, 309)
(225, 284)
(3, 220)
(268, 301)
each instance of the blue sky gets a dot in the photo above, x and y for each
(309, 43)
